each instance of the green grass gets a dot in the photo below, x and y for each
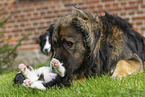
(105, 86)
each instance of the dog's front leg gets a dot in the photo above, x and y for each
(126, 67)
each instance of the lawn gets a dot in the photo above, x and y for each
(105, 86)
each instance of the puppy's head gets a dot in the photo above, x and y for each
(19, 78)
(73, 40)
(45, 45)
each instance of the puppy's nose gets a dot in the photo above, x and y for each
(46, 50)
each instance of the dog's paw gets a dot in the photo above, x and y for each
(22, 67)
(119, 75)
(27, 82)
(55, 63)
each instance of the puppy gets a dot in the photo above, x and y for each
(44, 43)
(29, 77)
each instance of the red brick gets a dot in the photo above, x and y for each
(115, 4)
(49, 2)
(10, 3)
(92, 2)
(17, 31)
(143, 28)
(139, 2)
(132, 2)
(52, 6)
(11, 40)
(22, 25)
(107, 0)
(9, 26)
(27, 10)
(48, 17)
(135, 28)
(36, 4)
(35, 14)
(16, 11)
(77, 0)
(91, 7)
(139, 18)
(140, 12)
(55, 1)
(36, 18)
(114, 9)
(142, 6)
(131, 8)
(29, 29)
(28, 14)
(139, 23)
(131, 13)
(123, 4)
(107, 5)
(70, 4)
(22, 20)
(59, 6)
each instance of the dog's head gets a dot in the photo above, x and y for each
(74, 40)
(45, 45)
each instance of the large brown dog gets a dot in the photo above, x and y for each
(90, 45)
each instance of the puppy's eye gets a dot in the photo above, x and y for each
(68, 44)
(44, 40)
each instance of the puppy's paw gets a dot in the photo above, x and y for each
(27, 82)
(55, 63)
(22, 67)
(33, 84)
(59, 68)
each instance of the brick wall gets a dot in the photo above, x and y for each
(34, 16)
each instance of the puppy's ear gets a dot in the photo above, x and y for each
(37, 39)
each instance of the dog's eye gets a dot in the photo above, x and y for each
(68, 44)
(54, 44)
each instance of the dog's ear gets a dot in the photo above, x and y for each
(50, 33)
(90, 27)
(40, 38)
(50, 30)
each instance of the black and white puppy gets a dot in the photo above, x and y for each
(44, 43)
(36, 78)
